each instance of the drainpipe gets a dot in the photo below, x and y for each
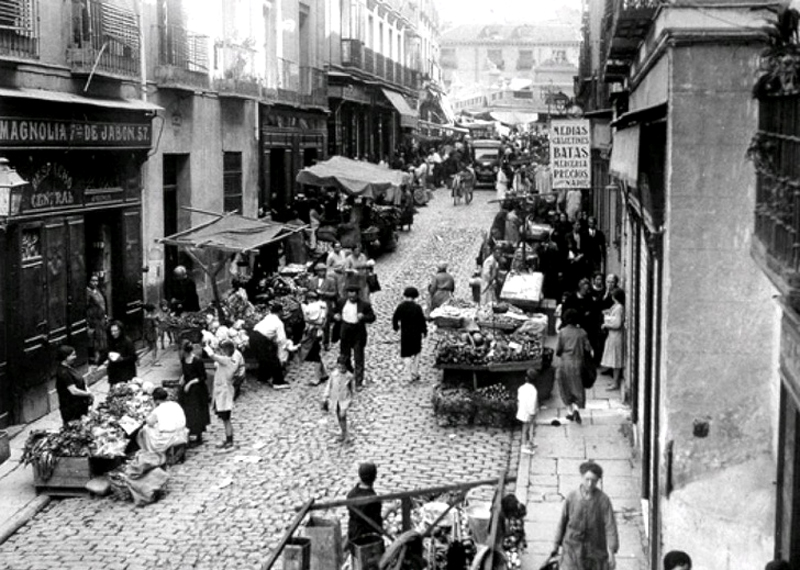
(142, 53)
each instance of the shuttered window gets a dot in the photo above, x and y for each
(232, 181)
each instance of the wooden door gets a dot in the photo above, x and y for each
(32, 320)
(131, 292)
(56, 271)
(76, 287)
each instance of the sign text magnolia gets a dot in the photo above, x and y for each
(49, 132)
(570, 153)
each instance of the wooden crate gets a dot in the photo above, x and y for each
(69, 477)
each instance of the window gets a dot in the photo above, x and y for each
(560, 55)
(525, 59)
(449, 59)
(495, 57)
(232, 181)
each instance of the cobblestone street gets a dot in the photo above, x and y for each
(225, 510)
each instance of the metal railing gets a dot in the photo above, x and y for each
(313, 86)
(105, 38)
(237, 64)
(183, 49)
(355, 54)
(776, 154)
(19, 29)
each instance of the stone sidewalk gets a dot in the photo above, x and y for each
(552, 471)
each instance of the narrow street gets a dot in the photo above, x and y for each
(225, 511)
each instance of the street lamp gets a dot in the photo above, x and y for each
(11, 187)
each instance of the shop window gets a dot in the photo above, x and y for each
(560, 55)
(232, 181)
(31, 245)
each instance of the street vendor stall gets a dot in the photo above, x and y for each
(375, 196)
(484, 353)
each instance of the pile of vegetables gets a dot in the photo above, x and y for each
(103, 432)
(477, 348)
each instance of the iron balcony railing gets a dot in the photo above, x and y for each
(358, 56)
(183, 49)
(313, 86)
(775, 152)
(105, 38)
(288, 81)
(19, 29)
(237, 64)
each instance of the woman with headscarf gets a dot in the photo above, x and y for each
(575, 352)
(193, 396)
(121, 356)
(441, 288)
(587, 530)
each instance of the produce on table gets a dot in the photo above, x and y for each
(481, 348)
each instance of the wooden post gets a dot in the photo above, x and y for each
(405, 506)
(298, 518)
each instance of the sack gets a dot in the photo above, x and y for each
(588, 373)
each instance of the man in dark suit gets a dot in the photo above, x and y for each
(595, 246)
(353, 316)
(184, 297)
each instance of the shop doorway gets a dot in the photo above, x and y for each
(277, 178)
(310, 157)
(100, 246)
(175, 185)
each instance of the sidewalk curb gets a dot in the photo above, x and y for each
(21, 517)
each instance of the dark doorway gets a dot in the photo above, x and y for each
(310, 157)
(277, 180)
(175, 184)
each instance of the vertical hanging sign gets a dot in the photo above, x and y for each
(570, 153)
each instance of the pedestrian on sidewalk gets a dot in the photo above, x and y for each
(679, 560)
(339, 395)
(409, 319)
(527, 405)
(121, 355)
(224, 389)
(194, 392)
(613, 352)
(354, 314)
(575, 354)
(74, 397)
(587, 530)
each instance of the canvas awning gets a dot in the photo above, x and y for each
(514, 117)
(355, 178)
(232, 233)
(408, 116)
(624, 163)
(64, 97)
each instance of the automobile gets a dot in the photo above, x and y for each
(486, 154)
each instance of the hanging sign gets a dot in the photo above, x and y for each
(570, 153)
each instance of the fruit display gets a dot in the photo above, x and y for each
(480, 348)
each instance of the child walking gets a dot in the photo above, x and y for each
(150, 332)
(339, 395)
(224, 388)
(527, 404)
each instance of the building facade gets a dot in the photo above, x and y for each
(379, 55)
(76, 129)
(479, 55)
(701, 321)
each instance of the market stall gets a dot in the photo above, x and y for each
(484, 353)
(373, 205)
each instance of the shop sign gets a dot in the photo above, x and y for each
(25, 132)
(570, 153)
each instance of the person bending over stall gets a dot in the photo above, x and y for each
(165, 427)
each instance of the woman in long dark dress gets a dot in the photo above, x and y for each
(574, 349)
(121, 355)
(409, 319)
(74, 398)
(194, 393)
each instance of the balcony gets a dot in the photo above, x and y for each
(19, 29)
(774, 152)
(626, 24)
(288, 90)
(105, 40)
(182, 59)
(356, 56)
(238, 63)
(313, 86)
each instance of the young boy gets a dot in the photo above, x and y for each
(527, 404)
(162, 323)
(361, 524)
(339, 394)
(224, 388)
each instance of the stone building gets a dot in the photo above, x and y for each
(701, 322)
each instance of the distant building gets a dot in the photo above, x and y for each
(479, 55)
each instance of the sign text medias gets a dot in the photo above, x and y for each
(570, 153)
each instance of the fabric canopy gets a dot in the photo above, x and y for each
(408, 116)
(624, 163)
(354, 177)
(514, 117)
(233, 233)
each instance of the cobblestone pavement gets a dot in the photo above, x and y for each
(225, 510)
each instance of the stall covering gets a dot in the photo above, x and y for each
(354, 177)
(232, 233)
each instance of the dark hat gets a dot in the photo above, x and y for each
(411, 292)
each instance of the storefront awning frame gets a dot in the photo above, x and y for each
(408, 116)
(71, 98)
(624, 162)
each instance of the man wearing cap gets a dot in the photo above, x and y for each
(354, 315)
(442, 287)
(324, 285)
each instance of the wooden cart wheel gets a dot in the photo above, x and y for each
(400, 550)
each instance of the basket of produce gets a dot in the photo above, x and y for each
(494, 406)
(453, 405)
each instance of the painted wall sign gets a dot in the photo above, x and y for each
(570, 153)
(23, 132)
